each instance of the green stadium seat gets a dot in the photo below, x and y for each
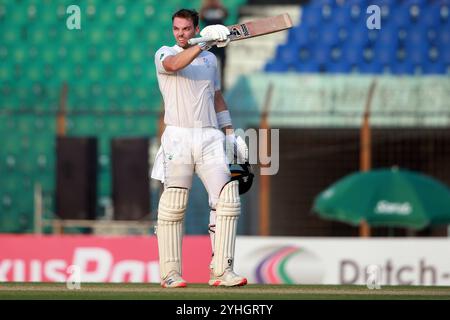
(11, 161)
(137, 53)
(94, 72)
(4, 52)
(48, 12)
(18, 53)
(136, 14)
(48, 53)
(78, 54)
(83, 125)
(38, 35)
(106, 15)
(8, 100)
(3, 9)
(61, 8)
(96, 36)
(64, 72)
(6, 73)
(26, 166)
(33, 70)
(104, 184)
(106, 54)
(17, 14)
(10, 35)
(7, 201)
(123, 73)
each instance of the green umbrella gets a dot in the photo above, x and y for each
(386, 197)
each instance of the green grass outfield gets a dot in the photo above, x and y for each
(204, 292)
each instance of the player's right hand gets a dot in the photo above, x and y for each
(217, 33)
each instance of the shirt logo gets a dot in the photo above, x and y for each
(206, 62)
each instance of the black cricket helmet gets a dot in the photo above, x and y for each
(244, 174)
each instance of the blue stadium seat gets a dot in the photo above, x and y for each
(344, 32)
(353, 55)
(310, 67)
(299, 35)
(336, 54)
(416, 36)
(311, 16)
(444, 36)
(445, 54)
(389, 36)
(390, 3)
(321, 3)
(444, 11)
(329, 35)
(430, 16)
(416, 10)
(333, 38)
(276, 66)
(402, 68)
(288, 53)
(420, 3)
(305, 54)
(322, 53)
(401, 17)
(437, 67)
(338, 67)
(362, 3)
(385, 53)
(343, 15)
(385, 13)
(359, 37)
(372, 67)
(432, 35)
(327, 13)
(434, 54)
(417, 54)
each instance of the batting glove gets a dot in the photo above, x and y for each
(236, 149)
(217, 33)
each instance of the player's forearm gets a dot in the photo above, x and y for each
(219, 102)
(222, 112)
(182, 59)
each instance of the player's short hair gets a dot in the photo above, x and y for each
(187, 14)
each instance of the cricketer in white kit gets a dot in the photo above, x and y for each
(196, 119)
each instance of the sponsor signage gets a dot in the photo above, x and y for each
(273, 260)
(407, 261)
(98, 258)
(386, 207)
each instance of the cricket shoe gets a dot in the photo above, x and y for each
(227, 279)
(173, 280)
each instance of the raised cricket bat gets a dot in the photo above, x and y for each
(254, 28)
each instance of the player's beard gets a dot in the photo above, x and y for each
(184, 44)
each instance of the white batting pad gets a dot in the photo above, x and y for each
(227, 213)
(171, 210)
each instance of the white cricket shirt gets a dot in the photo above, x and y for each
(188, 94)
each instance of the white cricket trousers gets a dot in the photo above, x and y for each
(184, 151)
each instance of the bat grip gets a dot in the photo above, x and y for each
(198, 40)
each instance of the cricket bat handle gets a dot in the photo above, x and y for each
(193, 41)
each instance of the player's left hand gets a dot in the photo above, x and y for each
(236, 149)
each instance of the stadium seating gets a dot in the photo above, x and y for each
(112, 89)
(414, 38)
